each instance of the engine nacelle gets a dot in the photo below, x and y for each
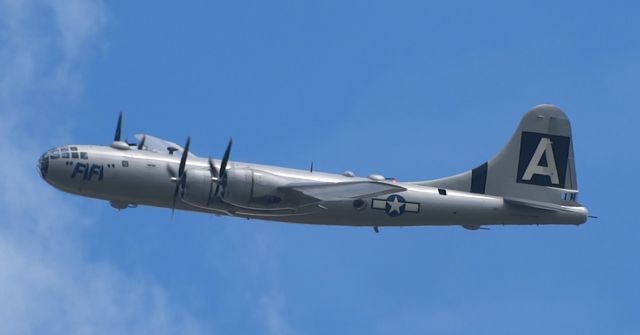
(196, 187)
(246, 187)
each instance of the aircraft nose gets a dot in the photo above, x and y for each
(43, 165)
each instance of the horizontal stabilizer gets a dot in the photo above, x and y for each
(538, 205)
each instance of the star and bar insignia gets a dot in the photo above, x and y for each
(395, 205)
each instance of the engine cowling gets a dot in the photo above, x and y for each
(246, 187)
(196, 187)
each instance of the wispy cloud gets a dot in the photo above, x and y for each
(253, 274)
(271, 307)
(47, 283)
(271, 310)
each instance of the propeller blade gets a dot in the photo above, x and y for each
(214, 173)
(141, 144)
(223, 166)
(175, 197)
(217, 188)
(183, 160)
(117, 136)
(225, 158)
(212, 167)
(180, 177)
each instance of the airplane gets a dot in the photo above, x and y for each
(532, 181)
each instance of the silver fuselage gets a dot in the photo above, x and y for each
(139, 177)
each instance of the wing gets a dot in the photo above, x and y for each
(314, 192)
(155, 144)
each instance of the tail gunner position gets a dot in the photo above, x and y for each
(531, 181)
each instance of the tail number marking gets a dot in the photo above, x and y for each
(543, 159)
(544, 148)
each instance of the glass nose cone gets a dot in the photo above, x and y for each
(43, 165)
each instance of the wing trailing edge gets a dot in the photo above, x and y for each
(314, 192)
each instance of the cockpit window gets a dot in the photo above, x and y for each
(64, 149)
(83, 155)
(54, 155)
(74, 155)
(74, 148)
(65, 155)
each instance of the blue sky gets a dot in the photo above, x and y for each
(409, 89)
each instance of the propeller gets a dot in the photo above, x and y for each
(214, 178)
(141, 144)
(223, 165)
(117, 137)
(180, 178)
(218, 176)
(213, 169)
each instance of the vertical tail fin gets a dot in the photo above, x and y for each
(537, 163)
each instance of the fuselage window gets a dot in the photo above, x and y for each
(83, 155)
(74, 155)
(125, 163)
